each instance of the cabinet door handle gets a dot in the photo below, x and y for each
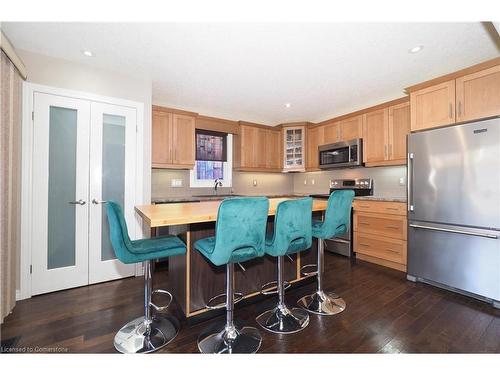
(364, 223)
(392, 251)
(391, 227)
(385, 152)
(364, 244)
(459, 108)
(391, 208)
(451, 110)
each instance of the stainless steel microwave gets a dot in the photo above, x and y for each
(341, 154)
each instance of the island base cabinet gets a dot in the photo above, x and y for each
(193, 280)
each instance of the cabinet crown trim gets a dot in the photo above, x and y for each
(451, 76)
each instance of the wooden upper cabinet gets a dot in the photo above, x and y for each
(315, 138)
(248, 137)
(478, 95)
(183, 140)
(332, 133)
(294, 148)
(259, 149)
(260, 146)
(399, 128)
(351, 128)
(273, 148)
(375, 137)
(173, 140)
(161, 139)
(433, 106)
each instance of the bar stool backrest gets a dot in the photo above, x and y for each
(292, 227)
(118, 233)
(338, 214)
(240, 230)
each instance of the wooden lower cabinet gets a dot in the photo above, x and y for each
(380, 233)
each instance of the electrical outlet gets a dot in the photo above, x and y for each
(254, 183)
(402, 181)
(176, 182)
(313, 182)
(305, 181)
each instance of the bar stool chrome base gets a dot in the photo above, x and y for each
(135, 338)
(223, 339)
(281, 319)
(322, 303)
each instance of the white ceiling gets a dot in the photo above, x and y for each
(249, 71)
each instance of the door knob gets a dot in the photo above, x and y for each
(80, 202)
(97, 202)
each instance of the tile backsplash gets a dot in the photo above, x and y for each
(267, 183)
(386, 182)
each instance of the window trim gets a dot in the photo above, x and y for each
(228, 170)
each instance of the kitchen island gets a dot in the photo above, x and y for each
(192, 279)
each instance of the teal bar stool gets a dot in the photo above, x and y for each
(151, 331)
(292, 234)
(239, 236)
(336, 222)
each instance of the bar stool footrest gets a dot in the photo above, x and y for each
(164, 307)
(237, 298)
(273, 285)
(306, 266)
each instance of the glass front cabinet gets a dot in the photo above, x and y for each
(294, 148)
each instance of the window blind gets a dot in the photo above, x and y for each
(211, 146)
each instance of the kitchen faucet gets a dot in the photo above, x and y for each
(218, 183)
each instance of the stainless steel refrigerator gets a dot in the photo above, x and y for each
(454, 208)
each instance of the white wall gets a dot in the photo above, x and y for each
(75, 76)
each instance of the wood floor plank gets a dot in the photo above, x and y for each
(385, 314)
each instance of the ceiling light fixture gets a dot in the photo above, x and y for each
(88, 53)
(288, 105)
(416, 49)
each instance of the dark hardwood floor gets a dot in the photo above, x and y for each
(385, 314)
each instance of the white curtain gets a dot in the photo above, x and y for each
(10, 182)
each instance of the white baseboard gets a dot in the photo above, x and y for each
(18, 295)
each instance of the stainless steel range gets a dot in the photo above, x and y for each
(362, 187)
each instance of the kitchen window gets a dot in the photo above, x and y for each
(214, 152)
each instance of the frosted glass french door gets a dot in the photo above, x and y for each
(61, 136)
(83, 154)
(112, 177)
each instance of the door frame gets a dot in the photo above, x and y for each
(29, 89)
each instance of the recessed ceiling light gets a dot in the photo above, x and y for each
(288, 105)
(88, 53)
(415, 49)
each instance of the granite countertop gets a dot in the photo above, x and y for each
(385, 198)
(203, 198)
(194, 198)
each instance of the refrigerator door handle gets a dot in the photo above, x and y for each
(410, 181)
(468, 233)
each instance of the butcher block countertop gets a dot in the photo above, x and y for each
(158, 215)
